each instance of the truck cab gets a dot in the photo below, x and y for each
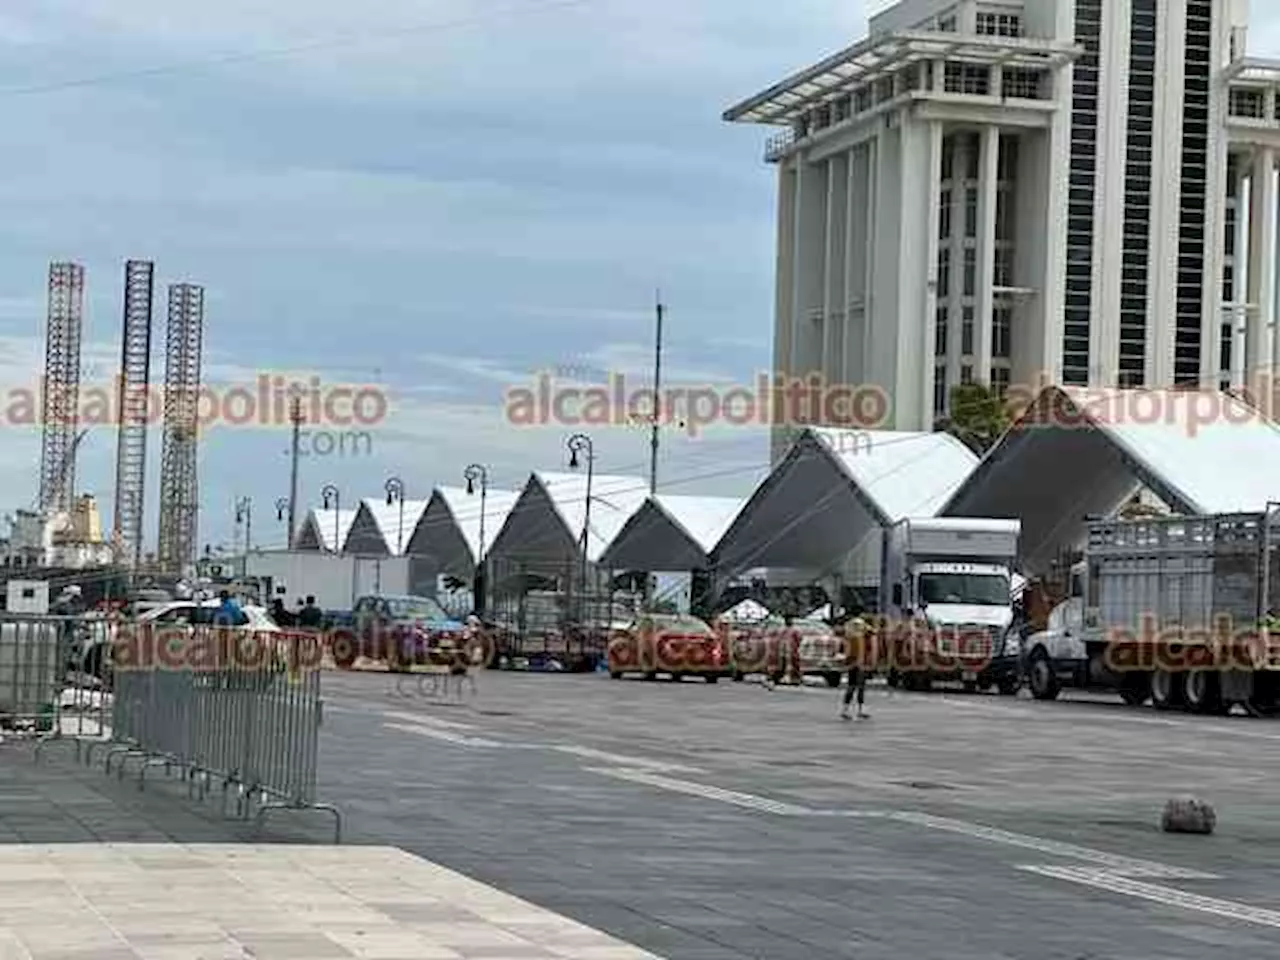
(947, 586)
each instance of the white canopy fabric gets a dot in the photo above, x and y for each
(836, 488)
(748, 611)
(547, 519)
(670, 533)
(325, 530)
(449, 531)
(382, 528)
(1081, 452)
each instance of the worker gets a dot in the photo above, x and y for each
(859, 640)
(281, 615)
(310, 617)
(229, 613)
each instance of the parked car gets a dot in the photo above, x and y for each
(769, 646)
(403, 631)
(672, 644)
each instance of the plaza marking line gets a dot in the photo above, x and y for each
(748, 800)
(1166, 896)
(446, 735)
(657, 766)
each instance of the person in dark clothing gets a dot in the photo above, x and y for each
(311, 617)
(281, 615)
(228, 613)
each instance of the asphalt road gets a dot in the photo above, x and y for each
(728, 821)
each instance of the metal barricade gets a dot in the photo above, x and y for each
(224, 706)
(45, 695)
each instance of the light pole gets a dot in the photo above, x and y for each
(331, 494)
(244, 514)
(395, 494)
(580, 443)
(474, 474)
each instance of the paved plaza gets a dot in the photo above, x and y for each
(575, 816)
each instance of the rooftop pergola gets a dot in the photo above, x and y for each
(876, 57)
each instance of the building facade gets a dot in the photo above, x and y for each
(1028, 192)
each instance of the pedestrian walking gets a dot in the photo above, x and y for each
(858, 645)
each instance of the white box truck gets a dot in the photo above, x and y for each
(335, 580)
(1180, 611)
(947, 603)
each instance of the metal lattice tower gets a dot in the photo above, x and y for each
(61, 386)
(134, 394)
(179, 487)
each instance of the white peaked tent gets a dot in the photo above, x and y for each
(835, 490)
(449, 531)
(325, 530)
(1080, 452)
(672, 533)
(383, 529)
(546, 522)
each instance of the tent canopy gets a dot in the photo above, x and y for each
(449, 531)
(384, 529)
(545, 524)
(836, 488)
(1081, 452)
(671, 533)
(325, 530)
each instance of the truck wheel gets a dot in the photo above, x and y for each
(738, 676)
(1044, 682)
(1009, 687)
(1166, 691)
(616, 674)
(344, 651)
(1202, 691)
(1136, 690)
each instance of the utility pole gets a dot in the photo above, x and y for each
(295, 415)
(657, 402)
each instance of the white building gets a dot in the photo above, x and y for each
(1027, 192)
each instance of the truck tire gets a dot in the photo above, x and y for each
(1167, 690)
(1136, 689)
(1043, 681)
(1009, 686)
(344, 650)
(1202, 691)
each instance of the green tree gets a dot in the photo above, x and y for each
(979, 416)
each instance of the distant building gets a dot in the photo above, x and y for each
(1027, 192)
(67, 540)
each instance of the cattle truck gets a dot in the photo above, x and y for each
(1172, 610)
(946, 598)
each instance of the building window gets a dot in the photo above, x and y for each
(973, 156)
(966, 332)
(970, 272)
(1004, 267)
(1021, 83)
(884, 89)
(939, 390)
(947, 24)
(948, 158)
(969, 78)
(1000, 381)
(944, 273)
(1248, 103)
(944, 215)
(862, 99)
(940, 336)
(1001, 332)
(1007, 163)
(999, 25)
(1004, 216)
(971, 212)
(966, 375)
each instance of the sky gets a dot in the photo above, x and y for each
(439, 198)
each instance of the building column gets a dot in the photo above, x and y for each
(834, 305)
(1239, 291)
(988, 177)
(933, 183)
(1262, 266)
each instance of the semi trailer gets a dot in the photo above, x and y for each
(1177, 611)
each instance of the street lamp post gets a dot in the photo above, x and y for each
(474, 474)
(244, 514)
(282, 511)
(331, 494)
(580, 443)
(395, 493)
